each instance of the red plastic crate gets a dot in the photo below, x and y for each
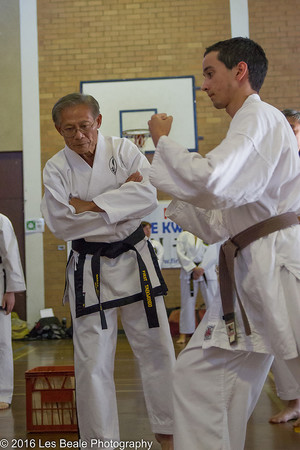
(50, 399)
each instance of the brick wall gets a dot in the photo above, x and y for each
(96, 39)
(277, 30)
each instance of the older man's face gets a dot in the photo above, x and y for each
(79, 128)
(296, 128)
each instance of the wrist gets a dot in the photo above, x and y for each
(95, 208)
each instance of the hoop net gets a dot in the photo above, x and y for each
(138, 136)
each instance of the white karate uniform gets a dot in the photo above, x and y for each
(67, 174)
(12, 281)
(253, 174)
(190, 254)
(159, 251)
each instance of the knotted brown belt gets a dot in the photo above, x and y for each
(228, 252)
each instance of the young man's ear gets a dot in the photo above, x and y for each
(241, 70)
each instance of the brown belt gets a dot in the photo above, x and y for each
(228, 252)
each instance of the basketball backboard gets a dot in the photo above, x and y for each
(129, 104)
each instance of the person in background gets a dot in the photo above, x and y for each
(11, 281)
(158, 248)
(288, 389)
(93, 198)
(293, 117)
(198, 270)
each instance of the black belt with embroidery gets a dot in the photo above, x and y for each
(192, 281)
(113, 250)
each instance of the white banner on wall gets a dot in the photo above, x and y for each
(166, 232)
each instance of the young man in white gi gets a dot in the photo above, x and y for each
(11, 281)
(91, 199)
(251, 176)
(198, 270)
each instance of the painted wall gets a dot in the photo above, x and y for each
(10, 77)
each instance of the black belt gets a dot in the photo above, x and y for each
(192, 281)
(113, 250)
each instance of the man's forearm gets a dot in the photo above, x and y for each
(84, 206)
(94, 207)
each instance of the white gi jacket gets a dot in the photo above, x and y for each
(11, 263)
(252, 175)
(189, 253)
(66, 174)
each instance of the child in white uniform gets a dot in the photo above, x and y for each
(11, 281)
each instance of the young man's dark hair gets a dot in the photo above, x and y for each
(232, 51)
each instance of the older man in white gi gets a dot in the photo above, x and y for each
(198, 270)
(11, 281)
(251, 176)
(92, 200)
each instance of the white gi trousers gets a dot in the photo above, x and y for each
(286, 386)
(287, 372)
(6, 359)
(94, 353)
(215, 391)
(187, 302)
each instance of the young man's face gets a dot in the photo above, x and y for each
(79, 128)
(219, 82)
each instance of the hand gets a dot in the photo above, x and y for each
(136, 177)
(159, 125)
(197, 273)
(8, 301)
(83, 205)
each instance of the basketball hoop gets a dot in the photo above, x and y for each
(138, 136)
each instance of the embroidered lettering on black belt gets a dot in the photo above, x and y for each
(113, 250)
(228, 252)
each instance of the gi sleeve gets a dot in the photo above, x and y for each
(133, 200)
(159, 250)
(208, 225)
(61, 217)
(232, 174)
(210, 257)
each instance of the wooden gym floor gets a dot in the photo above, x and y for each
(134, 424)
